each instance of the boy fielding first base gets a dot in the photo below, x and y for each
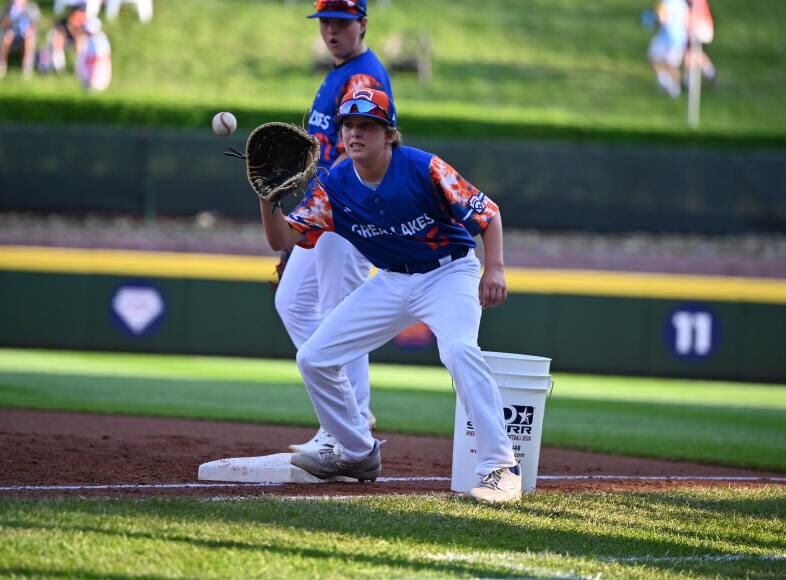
(414, 217)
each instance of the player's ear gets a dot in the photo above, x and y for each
(392, 136)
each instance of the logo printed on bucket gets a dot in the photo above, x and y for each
(518, 421)
(518, 418)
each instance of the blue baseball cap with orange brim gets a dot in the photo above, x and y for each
(347, 9)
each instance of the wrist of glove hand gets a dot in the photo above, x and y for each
(282, 263)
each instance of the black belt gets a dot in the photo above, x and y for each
(429, 265)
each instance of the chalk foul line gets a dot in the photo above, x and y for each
(121, 486)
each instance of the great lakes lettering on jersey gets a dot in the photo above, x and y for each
(409, 228)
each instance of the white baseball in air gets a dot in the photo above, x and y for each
(224, 124)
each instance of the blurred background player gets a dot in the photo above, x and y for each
(415, 217)
(19, 25)
(94, 61)
(315, 281)
(667, 48)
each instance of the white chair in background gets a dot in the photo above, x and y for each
(143, 7)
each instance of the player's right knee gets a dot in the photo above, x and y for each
(304, 357)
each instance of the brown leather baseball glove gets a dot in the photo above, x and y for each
(281, 160)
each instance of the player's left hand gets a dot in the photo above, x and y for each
(493, 289)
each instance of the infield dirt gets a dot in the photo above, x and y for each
(74, 454)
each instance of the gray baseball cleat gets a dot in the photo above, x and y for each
(501, 485)
(327, 463)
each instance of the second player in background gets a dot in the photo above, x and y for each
(314, 282)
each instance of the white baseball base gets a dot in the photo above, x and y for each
(265, 469)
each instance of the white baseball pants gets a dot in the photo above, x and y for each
(446, 300)
(314, 282)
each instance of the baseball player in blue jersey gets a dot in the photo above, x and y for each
(414, 217)
(315, 281)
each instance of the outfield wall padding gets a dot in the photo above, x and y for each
(738, 340)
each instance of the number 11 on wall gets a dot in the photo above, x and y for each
(692, 331)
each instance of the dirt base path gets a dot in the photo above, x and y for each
(74, 454)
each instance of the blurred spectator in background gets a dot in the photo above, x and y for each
(701, 31)
(94, 60)
(19, 25)
(93, 7)
(67, 32)
(667, 47)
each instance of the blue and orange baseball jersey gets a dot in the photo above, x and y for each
(423, 210)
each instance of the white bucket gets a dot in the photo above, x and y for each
(523, 364)
(524, 395)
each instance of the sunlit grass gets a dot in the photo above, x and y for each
(700, 533)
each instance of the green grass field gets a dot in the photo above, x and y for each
(548, 69)
(715, 533)
(699, 533)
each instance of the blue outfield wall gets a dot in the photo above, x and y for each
(709, 327)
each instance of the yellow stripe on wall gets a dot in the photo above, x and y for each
(135, 263)
(520, 280)
(647, 285)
